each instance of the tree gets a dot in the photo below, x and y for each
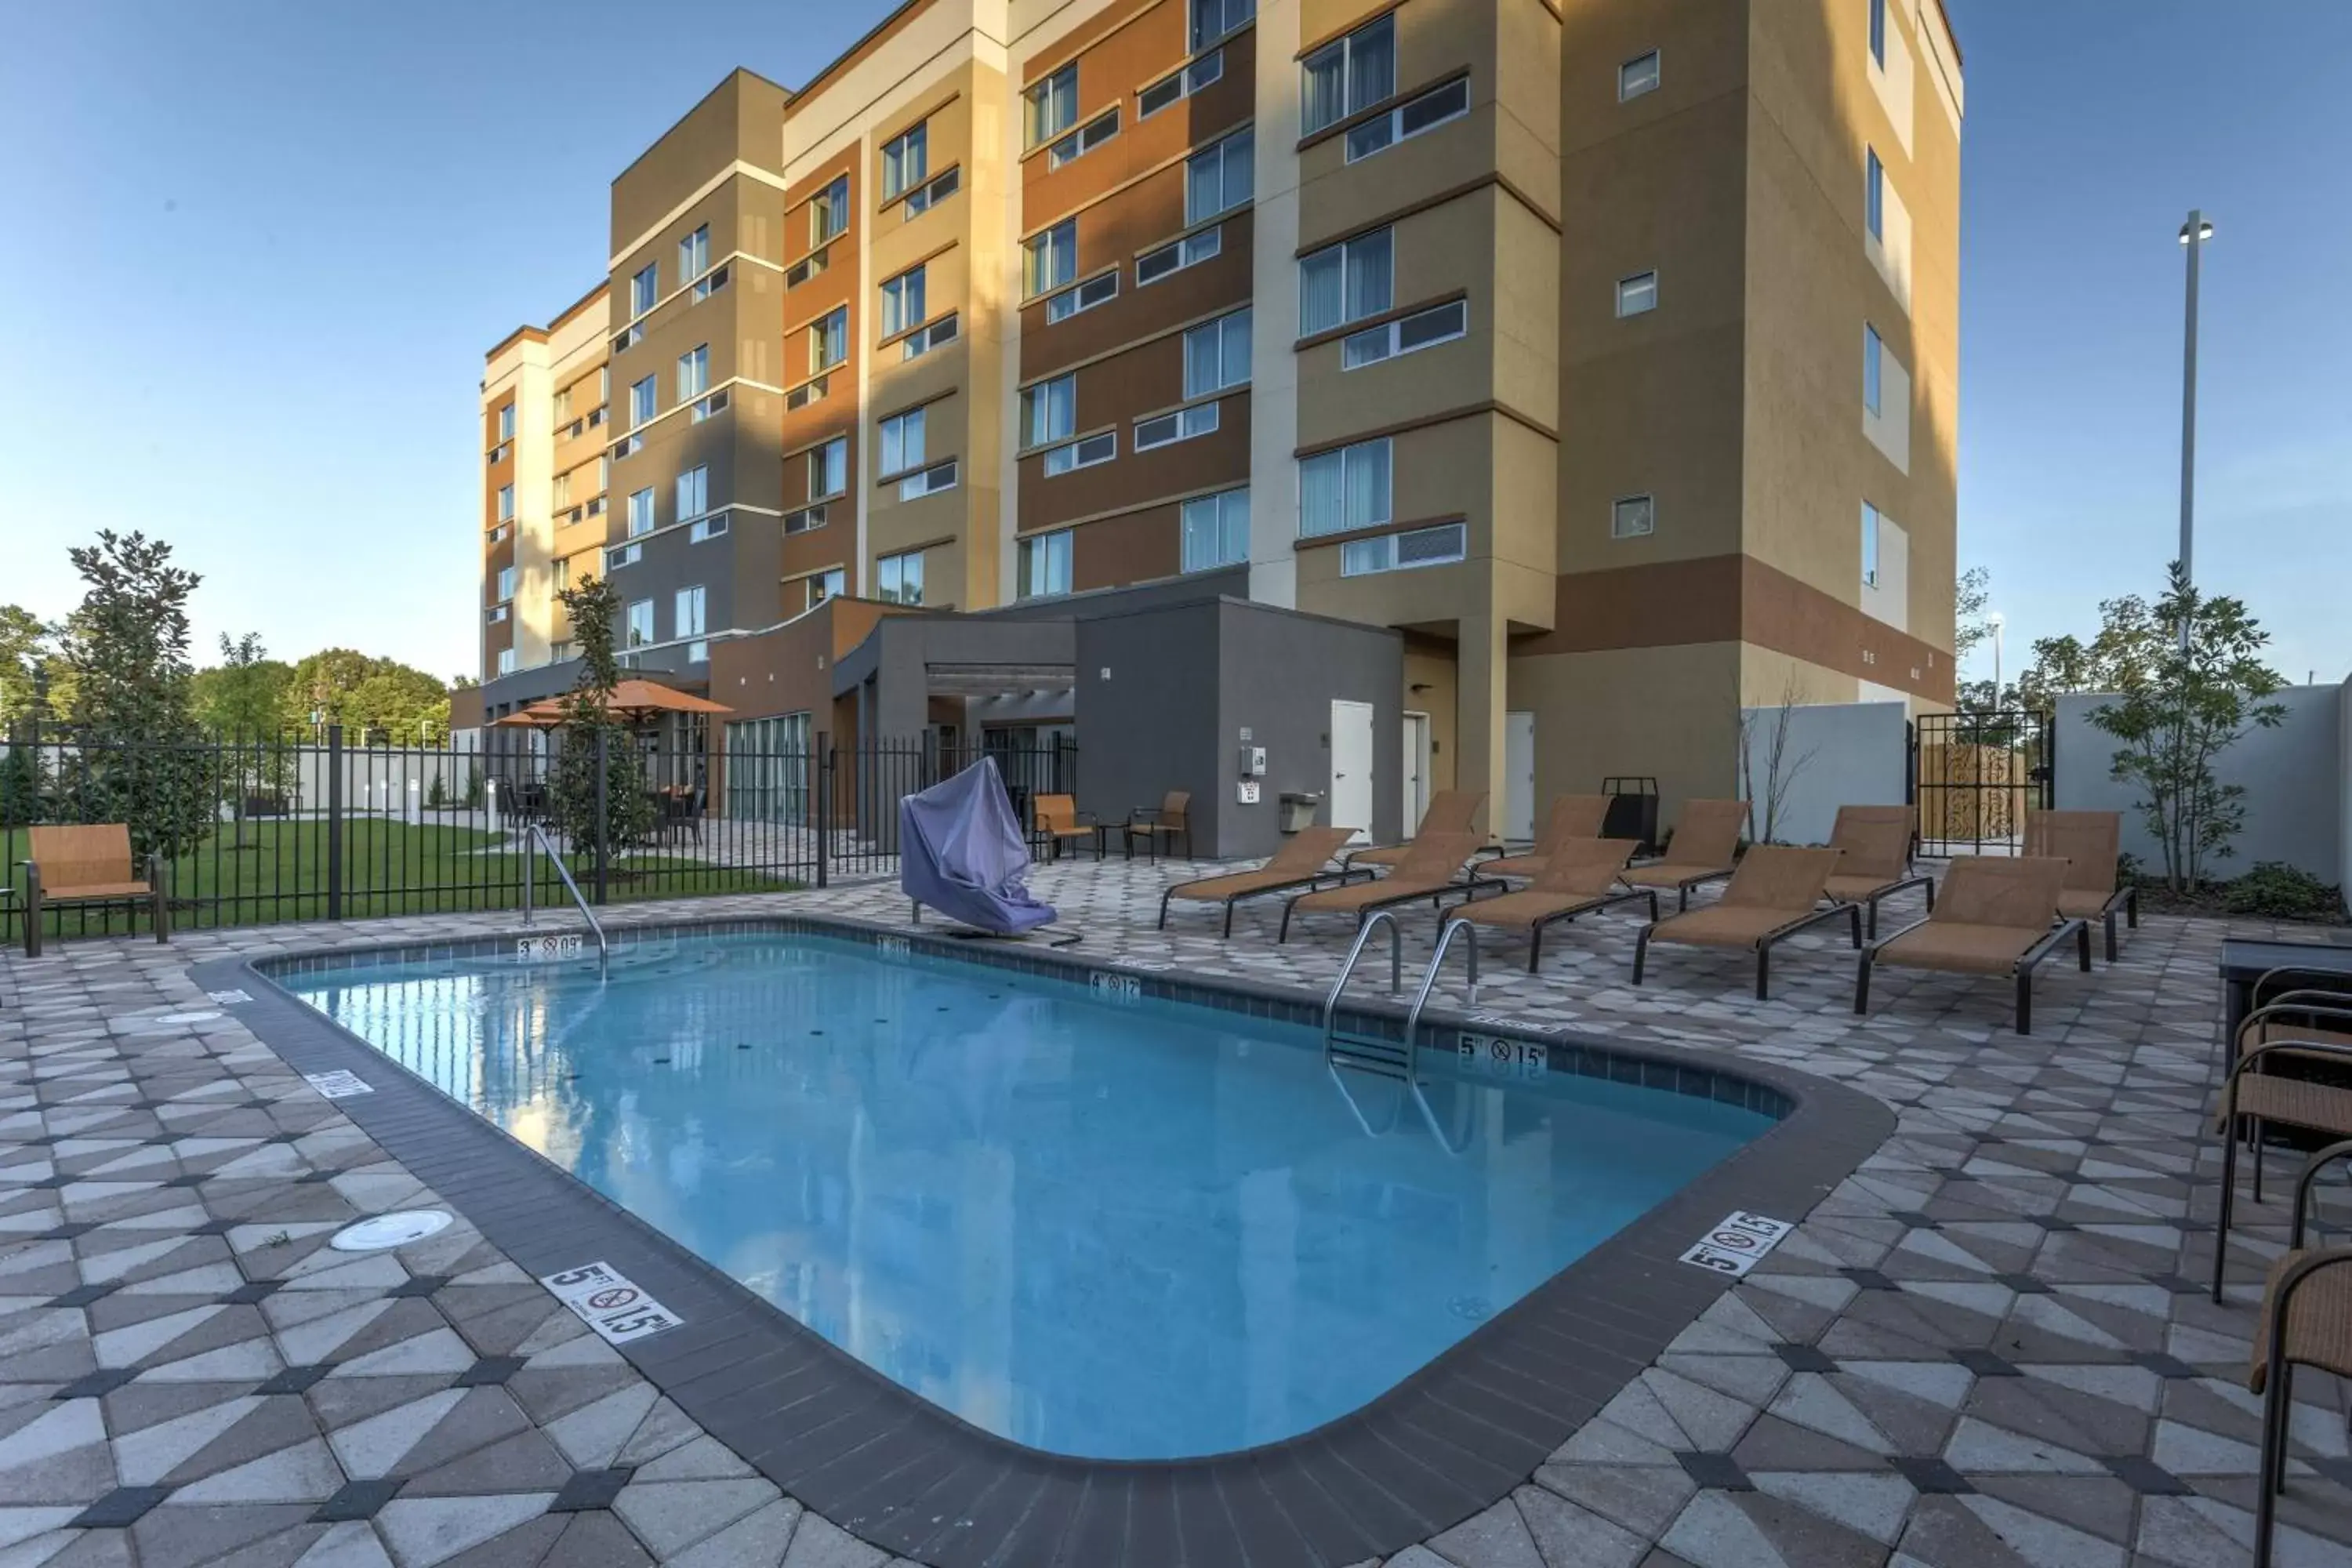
(2179, 706)
(241, 700)
(378, 702)
(1971, 623)
(1765, 782)
(589, 730)
(25, 642)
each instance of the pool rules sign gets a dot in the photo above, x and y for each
(1735, 1246)
(601, 1297)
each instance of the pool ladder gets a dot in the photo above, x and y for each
(542, 844)
(1377, 1056)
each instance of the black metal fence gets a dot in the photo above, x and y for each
(1974, 776)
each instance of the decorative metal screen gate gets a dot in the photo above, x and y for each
(1975, 775)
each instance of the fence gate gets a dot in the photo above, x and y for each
(1975, 775)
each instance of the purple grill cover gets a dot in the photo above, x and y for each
(960, 851)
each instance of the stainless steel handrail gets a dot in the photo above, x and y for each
(538, 839)
(1396, 968)
(1428, 984)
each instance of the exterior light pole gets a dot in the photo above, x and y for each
(1996, 621)
(2193, 236)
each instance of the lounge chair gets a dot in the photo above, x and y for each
(1164, 823)
(2091, 843)
(1701, 851)
(1300, 863)
(1429, 869)
(1877, 862)
(1058, 821)
(2288, 1033)
(1573, 817)
(1992, 916)
(1579, 877)
(89, 864)
(1775, 893)
(1449, 811)
(2306, 1321)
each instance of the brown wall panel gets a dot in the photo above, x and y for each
(1219, 283)
(1185, 468)
(1135, 548)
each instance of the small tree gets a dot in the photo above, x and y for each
(2183, 703)
(240, 699)
(628, 817)
(1781, 765)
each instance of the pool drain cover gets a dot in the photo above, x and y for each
(1476, 1308)
(199, 1017)
(389, 1230)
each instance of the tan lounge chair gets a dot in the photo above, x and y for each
(2091, 843)
(1059, 821)
(1300, 863)
(1877, 862)
(1573, 817)
(1579, 877)
(89, 864)
(2306, 1321)
(1449, 811)
(1431, 869)
(1776, 893)
(1164, 823)
(1701, 850)
(1992, 916)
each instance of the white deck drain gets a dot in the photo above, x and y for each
(205, 1016)
(386, 1230)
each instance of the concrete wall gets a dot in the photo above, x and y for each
(1146, 705)
(2294, 776)
(1842, 754)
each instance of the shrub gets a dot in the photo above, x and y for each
(2280, 891)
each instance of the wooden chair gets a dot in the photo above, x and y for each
(1776, 893)
(1449, 811)
(1579, 877)
(1303, 862)
(1993, 916)
(1573, 817)
(2306, 1321)
(2091, 843)
(1059, 820)
(1876, 860)
(1165, 822)
(1705, 841)
(89, 864)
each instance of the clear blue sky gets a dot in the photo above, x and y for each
(260, 249)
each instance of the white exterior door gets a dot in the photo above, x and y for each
(1519, 776)
(1416, 770)
(1352, 768)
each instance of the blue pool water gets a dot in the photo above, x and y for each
(1103, 1228)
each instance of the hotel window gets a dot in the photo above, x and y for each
(1402, 551)
(1423, 328)
(506, 661)
(641, 511)
(1869, 545)
(1216, 531)
(499, 534)
(603, 383)
(1632, 517)
(1218, 178)
(929, 481)
(906, 159)
(1050, 260)
(693, 373)
(562, 573)
(1874, 194)
(902, 302)
(506, 423)
(694, 254)
(506, 503)
(1637, 76)
(506, 582)
(603, 474)
(1873, 351)
(1177, 85)
(641, 402)
(829, 340)
(1167, 429)
(923, 340)
(829, 211)
(927, 196)
(621, 555)
(829, 469)
(1084, 453)
(1213, 19)
(1096, 290)
(1342, 491)
(640, 623)
(688, 610)
(1051, 106)
(1084, 139)
(1637, 295)
(1345, 282)
(1044, 571)
(1878, 31)
(1193, 248)
(899, 579)
(1410, 119)
(693, 493)
(563, 407)
(562, 491)
(1344, 77)
(826, 585)
(1217, 354)
(644, 287)
(902, 443)
(1049, 411)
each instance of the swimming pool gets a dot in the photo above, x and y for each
(1111, 1228)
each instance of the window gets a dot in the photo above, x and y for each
(899, 579)
(1216, 531)
(603, 474)
(828, 472)
(1083, 454)
(905, 162)
(930, 481)
(1869, 545)
(1426, 112)
(1344, 490)
(506, 423)
(829, 340)
(826, 585)
(621, 555)
(1438, 324)
(563, 405)
(1051, 106)
(1084, 139)
(902, 442)
(506, 582)
(710, 283)
(505, 502)
(808, 392)
(1191, 250)
(927, 196)
(644, 287)
(1873, 351)
(1218, 178)
(1096, 290)
(805, 520)
(640, 623)
(1878, 32)
(829, 211)
(562, 491)
(506, 661)
(916, 344)
(693, 372)
(1044, 568)
(562, 573)
(629, 445)
(1217, 354)
(1632, 517)
(710, 527)
(603, 383)
(1213, 19)
(1873, 195)
(1348, 76)
(902, 301)
(1049, 411)
(1638, 294)
(1167, 429)
(689, 612)
(499, 534)
(628, 337)
(641, 402)
(694, 254)
(1637, 76)
(1402, 551)
(693, 493)
(1180, 85)
(641, 511)
(1345, 282)
(803, 270)
(714, 404)
(1050, 260)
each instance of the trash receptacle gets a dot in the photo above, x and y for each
(1298, 809)
(1632, 810)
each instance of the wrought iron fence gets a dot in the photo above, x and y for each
(1975, 775)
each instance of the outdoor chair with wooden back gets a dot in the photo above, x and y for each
(1775, 893)
(1573, 817)
(89, 864)
(2091, 843)
(1705, 841)
(1060, 823)
(1162, 824)
(1875, 862)
(1993, 916)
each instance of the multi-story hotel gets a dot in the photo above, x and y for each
(1606, 349)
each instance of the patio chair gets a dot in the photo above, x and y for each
(2253, 1093)
(1573, 817)
(1431, 869)
(1164, 823)
(1057, 820)
(1449, 811)
(1302, 862)
(1701, 850)
(1993, 916)
(89, 864)
(1776, 893)
(2306, 1321)
(2091, 843)
(1877, 862)
(1579, 877)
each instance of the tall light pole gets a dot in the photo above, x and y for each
(1996, 621)
(2193, 236)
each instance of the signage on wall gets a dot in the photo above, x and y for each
(545, 949)
(339, 1084)
(601, 1297)
(1245, 791)
(1493, 1056)
(1736, 1246)
(1117, 988)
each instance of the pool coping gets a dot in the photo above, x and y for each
(1443, 1444)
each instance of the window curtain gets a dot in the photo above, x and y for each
(1323, 89)
(1371, 65)
(1319, 291)
(1366, 484)
(1319, 493)
(1370, 280)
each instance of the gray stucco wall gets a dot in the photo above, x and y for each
(1146, 707)
(2295, 778)
(1280, 673)
(1847, 754)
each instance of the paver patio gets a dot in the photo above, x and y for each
(1989, 1347)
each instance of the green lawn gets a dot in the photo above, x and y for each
(389, 869)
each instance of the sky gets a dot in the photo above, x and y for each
(261, 248)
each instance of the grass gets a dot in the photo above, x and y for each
(390, 868)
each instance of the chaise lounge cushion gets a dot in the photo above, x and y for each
(1307, 852)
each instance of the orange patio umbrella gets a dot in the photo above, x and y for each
(633, 702)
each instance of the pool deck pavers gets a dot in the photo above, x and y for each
(1989, 1348)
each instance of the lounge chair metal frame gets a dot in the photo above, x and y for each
(1764, 944)
(2227, 1115)
(1469, 886)
(1590, 907)
(1314, 884)
(1869, 905)
(2030, 960)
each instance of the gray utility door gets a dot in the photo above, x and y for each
(1352, 768)
(1519, 776)
(1416, 771)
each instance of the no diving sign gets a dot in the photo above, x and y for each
(603, 1299)
(1735, 1246)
